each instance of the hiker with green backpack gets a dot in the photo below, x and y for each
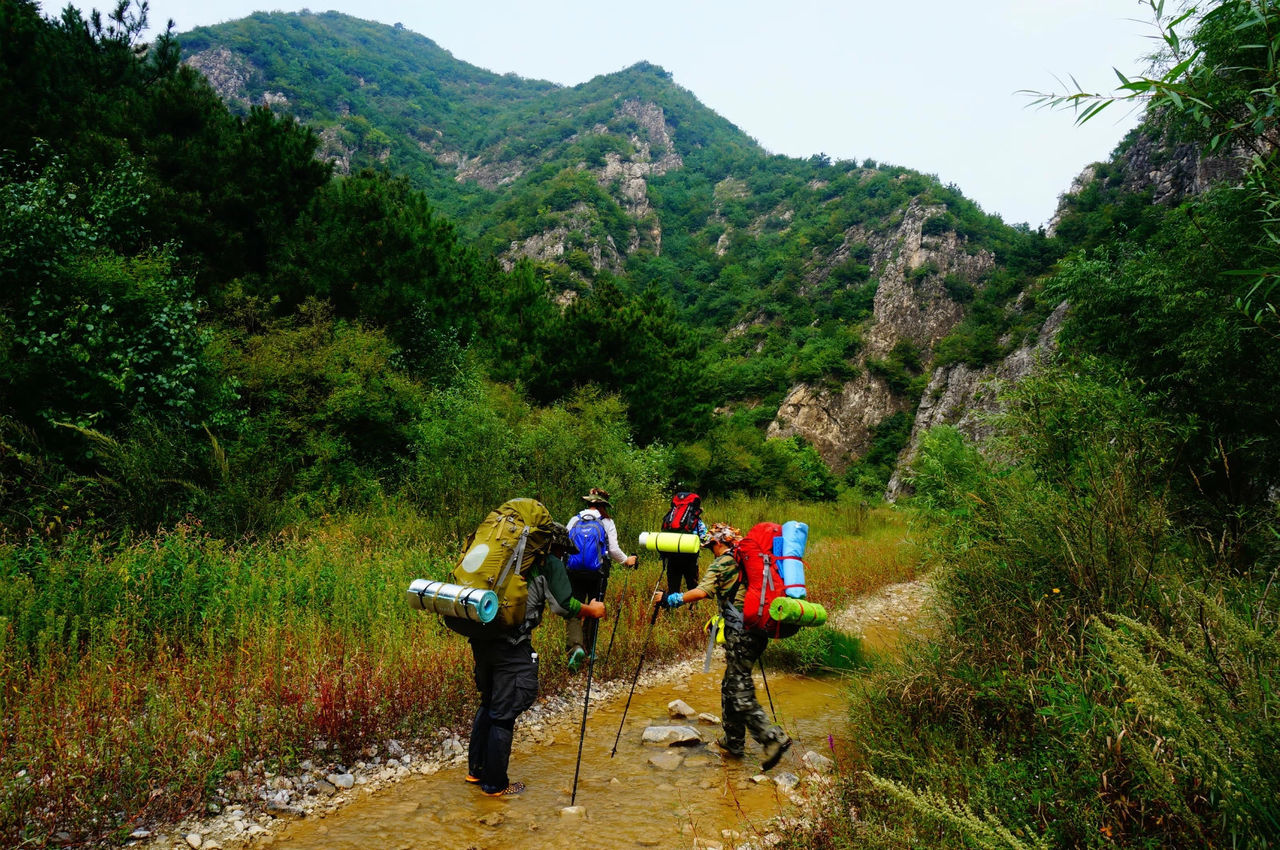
(745, 642)
(595, 535)
(518, 552)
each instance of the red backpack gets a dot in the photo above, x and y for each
(758, 569)
(685, 513)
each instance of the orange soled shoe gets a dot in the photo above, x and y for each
(511, 790)
(473, 779)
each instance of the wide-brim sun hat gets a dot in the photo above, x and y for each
(596, 496)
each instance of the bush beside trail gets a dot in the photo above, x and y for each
(1106, 671)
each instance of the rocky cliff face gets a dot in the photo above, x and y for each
(228, 73)
(965, 398)
(232, 76)
(626, 179)
(912, 305)
(1171, 171)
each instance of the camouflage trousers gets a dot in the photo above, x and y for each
(741, 709)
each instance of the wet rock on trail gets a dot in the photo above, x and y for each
(673, 736)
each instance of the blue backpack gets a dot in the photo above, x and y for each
(592, 540)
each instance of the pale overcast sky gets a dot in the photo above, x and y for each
(926, 84)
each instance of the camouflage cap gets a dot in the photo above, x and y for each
(560, 538)
(722, 532)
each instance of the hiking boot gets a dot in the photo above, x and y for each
(774, 750)
(576, 659)
(510, 791)
(473, 779)
(731, 749)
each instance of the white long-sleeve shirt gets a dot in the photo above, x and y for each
(611, 532)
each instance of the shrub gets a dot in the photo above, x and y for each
(1059, 697)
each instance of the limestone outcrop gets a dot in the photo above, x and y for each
(912, 305)
(965, 398)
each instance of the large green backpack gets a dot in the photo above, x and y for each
(498, 557)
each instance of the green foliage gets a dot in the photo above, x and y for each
(1064, 525)
(902, 370)
(825, 356)
(326, 417)
(869, 476)
(1218, 86)
(737, 458)
(102, 340)
(1165, 311)
(985, 830)
(375, 250)
(1102, 211)
(945, 473)
(1204, 705)
(816, 650)
(630, 345)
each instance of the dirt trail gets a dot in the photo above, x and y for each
(264, 804)
(896, 612)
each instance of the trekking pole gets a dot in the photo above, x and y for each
(613, 633)
(657, 606)
(772, 710)
(586, 700)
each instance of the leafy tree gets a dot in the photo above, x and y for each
(1189, 305)
(94, 336)
(634, 346)
(374, 248)
(85, 90)
(1219, 84)
(870, 474)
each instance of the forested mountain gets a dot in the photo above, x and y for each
(774, 266)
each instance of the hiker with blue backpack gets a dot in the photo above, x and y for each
(595, 535)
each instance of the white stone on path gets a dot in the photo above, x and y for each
(680, 708)
(817, 762)
(342, 780)
(671, 735)
(786, 781)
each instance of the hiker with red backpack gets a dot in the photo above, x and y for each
(685, 517)
(595, 535)
(746, 637)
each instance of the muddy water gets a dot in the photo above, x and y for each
(628, 802)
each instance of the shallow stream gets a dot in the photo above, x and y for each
(627, 801)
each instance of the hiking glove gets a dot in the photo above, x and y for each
(675, 600)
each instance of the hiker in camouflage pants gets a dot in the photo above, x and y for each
(742, 711)
(743, 648)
